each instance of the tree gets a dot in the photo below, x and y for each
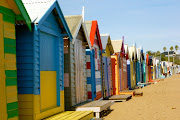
(158, 52)
(176, 47)
(171, 48)
(149, 53)
(164, 48)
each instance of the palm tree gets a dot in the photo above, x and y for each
(176, 47)
(171, 48)
(158, 53)
(149, 53)
(164, 48)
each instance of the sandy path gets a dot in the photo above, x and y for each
(160, 101)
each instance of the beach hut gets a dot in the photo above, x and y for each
(129, 66)
(11, 12)
(147, 68)
(116, 62)
(40, 60)
(132, 70)
(107, 73)
(139, 70)
(143, 67)
(119, 66)
(115, 73)
(150, 68)
(75, 78)
(94, 62)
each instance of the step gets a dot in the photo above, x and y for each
(95, 106)
(121, 98)
(127, 92)
(72, 115)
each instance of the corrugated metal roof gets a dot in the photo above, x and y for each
(117, 44)
(88, 26)
(73, 23)
(37, 8)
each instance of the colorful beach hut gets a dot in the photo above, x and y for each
(107, 73)
(133, 57)
(94, 62)
(139, 70)
(75, 78)
(143, 67)
(40, 60)
(147, 68)
(11, 12)
(119, 67)
(129, 66)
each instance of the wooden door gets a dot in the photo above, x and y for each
(48, 71)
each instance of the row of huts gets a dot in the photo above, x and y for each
(50, 63)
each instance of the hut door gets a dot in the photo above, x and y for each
(79, 73)
(48, 70)
(109, 75)
(105, 76)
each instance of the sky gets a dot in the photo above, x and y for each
(152, 24)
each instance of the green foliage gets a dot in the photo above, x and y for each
(171, 48)
(176, 47)
(164, 48)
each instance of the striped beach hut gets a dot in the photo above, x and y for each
(11, 12)
(40, 60)
(75, 78)
(94, 62)
(107, 73)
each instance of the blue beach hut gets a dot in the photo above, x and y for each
(40, 60)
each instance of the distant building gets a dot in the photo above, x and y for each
(171, 53)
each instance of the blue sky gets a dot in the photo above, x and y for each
(152, 24)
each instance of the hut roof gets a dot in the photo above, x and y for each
(139, 54)
(126, 48)
(106, 41)
(93, 30)
(117, 45)
(39, 10)
(75, 22)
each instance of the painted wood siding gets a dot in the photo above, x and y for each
(69, 66)
(8, 68)
(25, 70)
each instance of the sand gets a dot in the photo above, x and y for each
(160, 101)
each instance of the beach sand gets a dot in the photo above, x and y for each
(160, 101)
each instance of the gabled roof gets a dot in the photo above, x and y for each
(93, 30)
(126, 48)
(39, 10)
(139, 57)
(117, 45)
(106, 42)
(131, 52)
(75, 22)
